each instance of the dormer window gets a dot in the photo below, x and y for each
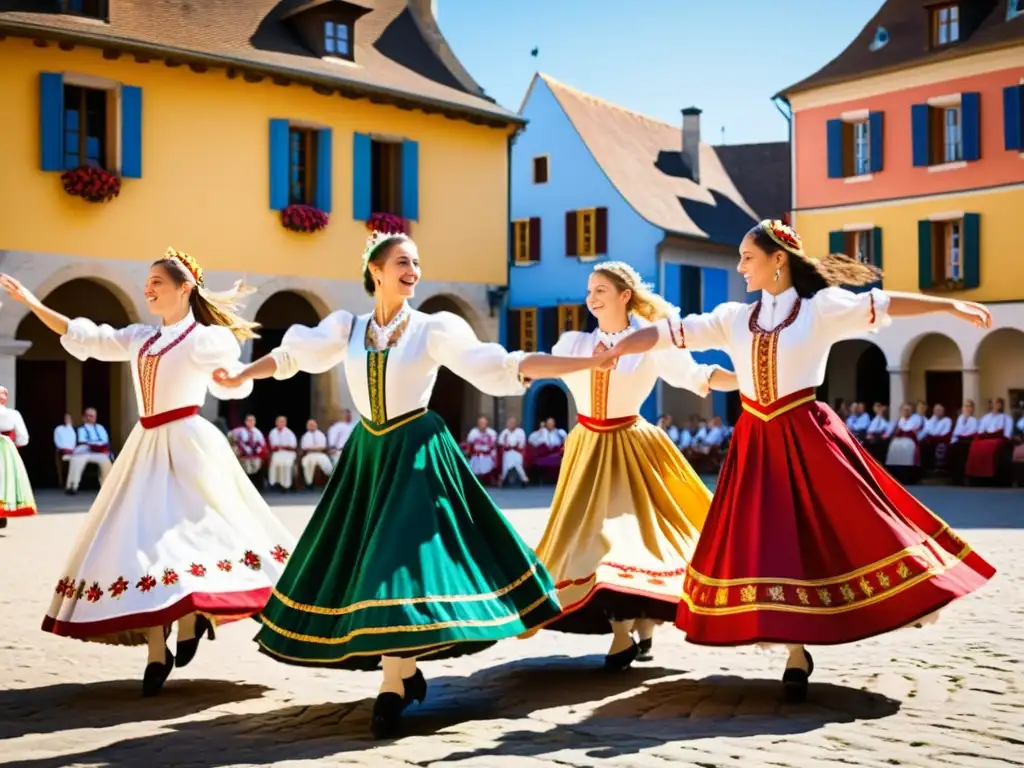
(336, 39)
(945, 25)
(94, 9)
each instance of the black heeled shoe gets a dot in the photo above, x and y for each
(415, 689)
(387, 714)
(643, 650)
(156, 674)
(617, 662)
(795, 682)
(187, 648)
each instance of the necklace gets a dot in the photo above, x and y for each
(381, 336)
(609, 338)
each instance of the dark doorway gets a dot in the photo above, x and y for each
(551, 403)
(945, 387)
(872, 377)
(41, 387)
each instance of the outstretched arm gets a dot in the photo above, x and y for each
(263, 368)
(916, 304)
(541, 366)
(723, 381)
(55, 321)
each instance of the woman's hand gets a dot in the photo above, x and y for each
(973, 313)
(605, 360)
(17, 291)
(225, 379)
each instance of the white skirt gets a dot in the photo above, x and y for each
(177, 528)
(902, 453)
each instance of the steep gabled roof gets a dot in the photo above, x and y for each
(984, 26)
(642, 159)
(400, 56)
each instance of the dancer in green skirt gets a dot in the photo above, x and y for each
(406, 557)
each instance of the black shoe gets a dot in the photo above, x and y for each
(70, 491)
(187, 648)
(3, 522)
(795, 681)
(643, 650)
(617, 662)
(156, 674)
(415, 689)
(387, 714)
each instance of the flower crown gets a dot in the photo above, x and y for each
(376, 238)
(784, 236)
(191, 266)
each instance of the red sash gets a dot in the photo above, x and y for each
(166, 417)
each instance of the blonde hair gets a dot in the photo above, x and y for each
(221, 308)
(643, 301)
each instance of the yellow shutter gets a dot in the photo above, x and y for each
(522, 244)
(579, 317)
(586, 233)
(528, 329)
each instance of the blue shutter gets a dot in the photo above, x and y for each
(970, 115)
(972, 250)
(925, 281)
(278, 164)
(875, 146)
(362, 176)
(1013, 117)
(836, 241)
(876, 246)
(324, 170)
(131, 132)
(51, 121)
(410, 180)
(835, 149)
(919, 114)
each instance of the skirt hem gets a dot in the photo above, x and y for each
(19, 512)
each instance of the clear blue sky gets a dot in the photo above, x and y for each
(728, 57)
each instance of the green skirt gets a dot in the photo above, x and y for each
(16, 499)
(405, 555)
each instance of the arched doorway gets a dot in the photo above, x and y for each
(1000, 364)
(293, 398)
(50, 382)
(857, 372)
(549, 401)
(453, 399)
(935, 372)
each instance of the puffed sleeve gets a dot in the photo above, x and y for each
(84, 339)
(677, 368)
(710, 330)
(841, 314)
(313, 350)
(489, 367)
(567, 343)
(216, 347)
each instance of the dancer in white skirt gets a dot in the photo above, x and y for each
(177, 532)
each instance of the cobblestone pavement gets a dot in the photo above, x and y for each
(947, 695)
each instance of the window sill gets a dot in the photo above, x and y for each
(947, 166)
(526, 263)
(589, 259)
(949, 286)
(859, 178)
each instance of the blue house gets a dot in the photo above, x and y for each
(593, 181)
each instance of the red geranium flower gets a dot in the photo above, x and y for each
(303, 218)
(94, 185)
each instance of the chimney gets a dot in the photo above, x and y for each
(691, 140)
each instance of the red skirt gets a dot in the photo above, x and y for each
(984, 457)
(810, 541)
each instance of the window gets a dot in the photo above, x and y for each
(949, 252)
(855, 144)
(947, 257)
(945, 25)
(540, 169)
(861, 149)
(96, 9)
(336, 39)
(947, 130)
(386, 177)
(86, 124)
(526, 241)
(571, 317)
(586, 233)
(858, 245)
(302, 148)
(946, 122)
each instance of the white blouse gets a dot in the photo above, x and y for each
(172, 365)
(779, 345)
(621, 391)
(399, 378)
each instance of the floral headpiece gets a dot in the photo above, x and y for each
(784, 236)
(376, 238)
(192, 269)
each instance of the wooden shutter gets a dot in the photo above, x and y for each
(571, 246)
(601, 231)
(278, 164)
(971, 250)
(876, 146)
(410, 180)
(1013, 117)
(834, 133)
(528, 330)
(925, 279)
(362, 176)
(876, 246)
(322, 193)
(919, 130)
(131, 132)
(533, 254)
(837, 242)
(586, 240)
(513, 334)
(970, 122)
(547, 328)
(51, 121)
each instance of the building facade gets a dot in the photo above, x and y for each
(592, 181)
(908, 152)
(222, 122)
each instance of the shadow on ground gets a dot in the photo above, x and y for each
(635, 710)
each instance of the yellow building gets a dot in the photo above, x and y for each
(218, 119)
(908, 151)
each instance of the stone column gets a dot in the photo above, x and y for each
(10, 350)
(972, 385)
(899, 383)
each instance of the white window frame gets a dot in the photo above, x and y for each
(113, 88)
(951, 25)
(861, 160)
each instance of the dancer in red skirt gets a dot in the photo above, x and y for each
(808, 540)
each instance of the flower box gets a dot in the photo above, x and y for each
(94, 185)
(388, 224)
(303, 218)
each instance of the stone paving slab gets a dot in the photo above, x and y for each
(947, 695)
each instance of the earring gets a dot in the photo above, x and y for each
(777, 273)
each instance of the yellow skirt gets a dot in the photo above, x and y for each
(625, 519)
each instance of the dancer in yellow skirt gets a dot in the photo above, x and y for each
(628, 507)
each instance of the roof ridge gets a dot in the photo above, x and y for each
(556, 83)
